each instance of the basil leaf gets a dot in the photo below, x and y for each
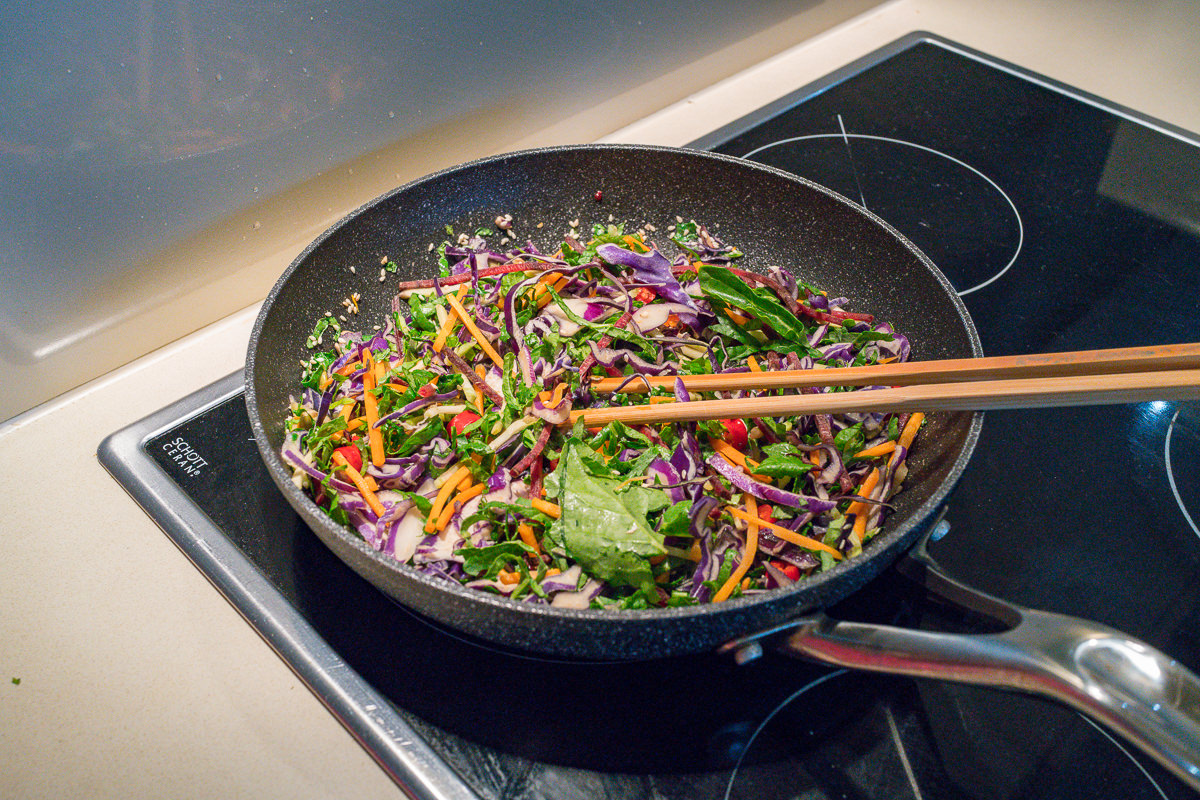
(720, 283)
(784, 467)
(488, 561)
(783, 449)
(849, 440)
(601, 531)
(420, 437)
(675, 520)
(641, 501)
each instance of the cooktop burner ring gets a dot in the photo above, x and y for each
(1171, 472)
(846, 137)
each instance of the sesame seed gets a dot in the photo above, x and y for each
(352, 269)
(430, 248)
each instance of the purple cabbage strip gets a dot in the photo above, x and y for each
(653, 268)
(420, 402)
(763, 491)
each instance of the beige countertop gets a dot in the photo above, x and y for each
(137, 679)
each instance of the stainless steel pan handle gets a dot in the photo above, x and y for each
(1139, 693)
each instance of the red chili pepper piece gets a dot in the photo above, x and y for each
(736, 435)
(352, 456)
(461, 420)
(791, 570)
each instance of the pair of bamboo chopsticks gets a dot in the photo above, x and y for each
(1077, 378)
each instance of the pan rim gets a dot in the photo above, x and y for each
(889, 541)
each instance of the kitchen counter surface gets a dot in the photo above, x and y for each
(123, 673)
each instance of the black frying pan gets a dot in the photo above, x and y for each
(775, 218)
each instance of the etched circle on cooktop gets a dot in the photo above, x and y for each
(959, 217)
(1181, 455)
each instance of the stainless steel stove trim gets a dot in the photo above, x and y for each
(406, 757)
(723, 134)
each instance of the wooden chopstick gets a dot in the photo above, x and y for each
(984, 395)
(1044, 365)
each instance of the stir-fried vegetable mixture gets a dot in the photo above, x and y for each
(443, 437)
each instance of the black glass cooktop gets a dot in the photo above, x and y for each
(1065, 223)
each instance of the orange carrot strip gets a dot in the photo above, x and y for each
(528, 537)
(474, 329)
(508, 577)
(788, 536)
(546, 507)
(482, 373)
(735, 456)
(357, 479)
(861, 510)
(635, 241)
(458, 502)
(451, 321)
(738, 318)
(656, 400)
(910, 430)
(371, 404)
(542, 292)
(748, 554)
(877, 450)
(435, 511)
(753, 362)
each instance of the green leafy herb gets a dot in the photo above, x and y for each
(723, 285)
(784, 467)
(488, 561)
(608, 535)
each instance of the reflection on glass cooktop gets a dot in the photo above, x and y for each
(1065, 224)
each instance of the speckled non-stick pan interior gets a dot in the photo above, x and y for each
(774, 217)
